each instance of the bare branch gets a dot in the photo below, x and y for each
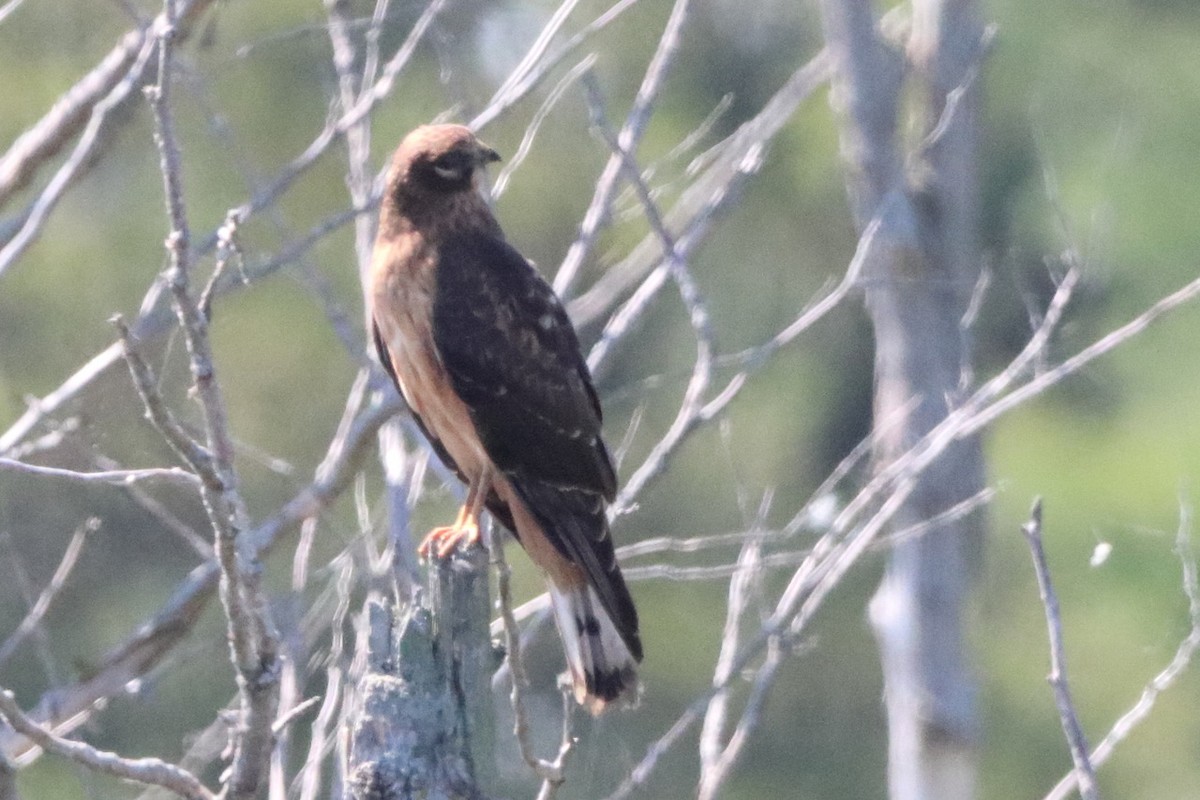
(119, 477)
(716, 757)
(309, 779)
(150, 771)
(736, 158)
(1084, 774)
(625, 146)
(556, 94)
(34, 219)
(39, 608)
(1163, 680)
(228, 250)
(551, 773)
(538, 49)
(40, 143)
(43, 140)
(5, 10)
(1102, 346)
(350, 118)
(253, 644)
(157, 411)
(691, 410)
(566, 745)
(657, 749)
(154, 639)
(165, 516)
(110, 86)
(294, 713)
(25, 586)
(52, 402)
(526, 76)
(764, 680)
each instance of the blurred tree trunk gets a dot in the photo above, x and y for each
(8, 780)
(918, 282)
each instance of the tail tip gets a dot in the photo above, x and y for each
(599, 691)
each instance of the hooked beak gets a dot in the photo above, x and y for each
(487, 155)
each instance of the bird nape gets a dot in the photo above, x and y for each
(490, 366)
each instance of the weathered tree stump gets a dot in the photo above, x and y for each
(425, 723)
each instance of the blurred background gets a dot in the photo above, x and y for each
(1090, 146)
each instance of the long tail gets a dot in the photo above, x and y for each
(603, 669)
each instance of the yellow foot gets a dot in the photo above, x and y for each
(441, 542)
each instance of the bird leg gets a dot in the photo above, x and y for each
(442, 541)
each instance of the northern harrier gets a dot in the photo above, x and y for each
(486, 357)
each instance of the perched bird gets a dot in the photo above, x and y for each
(490, 366)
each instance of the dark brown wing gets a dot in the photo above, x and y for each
(513, 357)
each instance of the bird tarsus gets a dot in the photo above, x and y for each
(444, 540)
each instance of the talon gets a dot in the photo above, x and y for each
(443, 541)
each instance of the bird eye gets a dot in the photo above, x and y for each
(451, 169)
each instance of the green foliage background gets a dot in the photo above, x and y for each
(1091, 143)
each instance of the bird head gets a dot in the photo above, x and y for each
(438, 159)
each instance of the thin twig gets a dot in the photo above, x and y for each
(150, 771)
(732, 161)
(154, 639)
(35, 218)
(552, 99)
(5, 10)
(550, 788)
(350, 118)
(309, 779)
(538, 49)
(254, 649)
(29, 593)
(626, 145)
(551, 773)
(1084, 773)
(716, 757)
(296, 711)
(151, 322)
(157, 411)
(691, 410)
(118, 477)
(660, 747)
(525, 77)
(360, 181)
(764, 680)
(228, 250)
(1179, 663)
(37, 612)
(41, 142)
(99, 97)
(160, 512)
(40, 409)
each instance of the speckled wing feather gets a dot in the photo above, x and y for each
(513, 357)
